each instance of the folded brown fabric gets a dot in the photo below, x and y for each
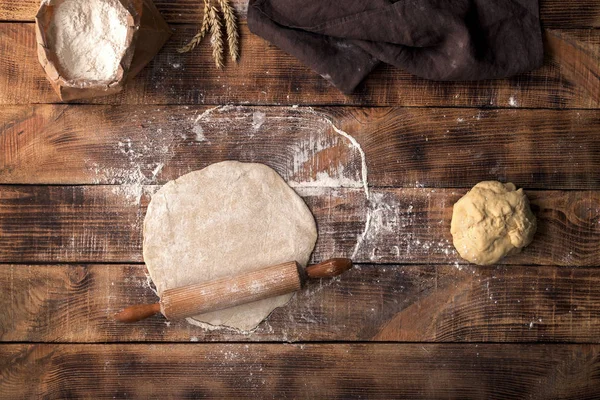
(344, 40)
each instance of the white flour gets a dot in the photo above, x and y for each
(89, 38)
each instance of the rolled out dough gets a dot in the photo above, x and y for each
(221, 221)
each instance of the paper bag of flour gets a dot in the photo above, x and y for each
(92, 48)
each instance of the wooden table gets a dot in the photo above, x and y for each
(412, 320)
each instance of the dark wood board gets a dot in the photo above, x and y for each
(394, 303)
(553, 13)
(416, 371)
(104, 224)
(412, 320)
(266, 75)
(404, 147)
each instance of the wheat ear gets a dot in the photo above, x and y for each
(216, 41)
(201, 33)
(233, 37)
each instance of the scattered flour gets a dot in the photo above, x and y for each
(363, 158)
(389, 232)
(313, 137)
(258, 119)
(364, 175)
(148, 283)
(89, 38)
(157, 170)
(199, 132)
(331, 175)
(130, 181)
(323, 179)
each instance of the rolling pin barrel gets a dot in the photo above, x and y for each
(197, 299)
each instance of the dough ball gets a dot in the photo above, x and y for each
(491, 221)
(224, 220)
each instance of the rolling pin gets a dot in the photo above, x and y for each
(187, 301)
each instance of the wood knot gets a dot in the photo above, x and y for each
(78, 276)
(587, 210)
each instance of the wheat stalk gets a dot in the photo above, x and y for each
(211, 23)
(216, 40)
(200, 35)
(231, 28)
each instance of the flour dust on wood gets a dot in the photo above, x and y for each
(316, 152)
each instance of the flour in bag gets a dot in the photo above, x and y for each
(89, 38)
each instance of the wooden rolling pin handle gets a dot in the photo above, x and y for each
(328, 269)
(138, 312)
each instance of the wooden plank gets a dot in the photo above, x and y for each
(415, 371)
(580, 63)
(404, 147)
(443, 303)
(103, 224)
(266, 75)
(553, 13)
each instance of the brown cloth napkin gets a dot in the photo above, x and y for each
(343, 40)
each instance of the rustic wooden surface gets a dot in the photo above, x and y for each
(412, 320)
(419, 371)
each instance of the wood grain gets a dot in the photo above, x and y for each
(103, 224)
(553, 13)
(406, 303)
(265, 75)
(330, 371)
(404, 147)
(580, 62)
